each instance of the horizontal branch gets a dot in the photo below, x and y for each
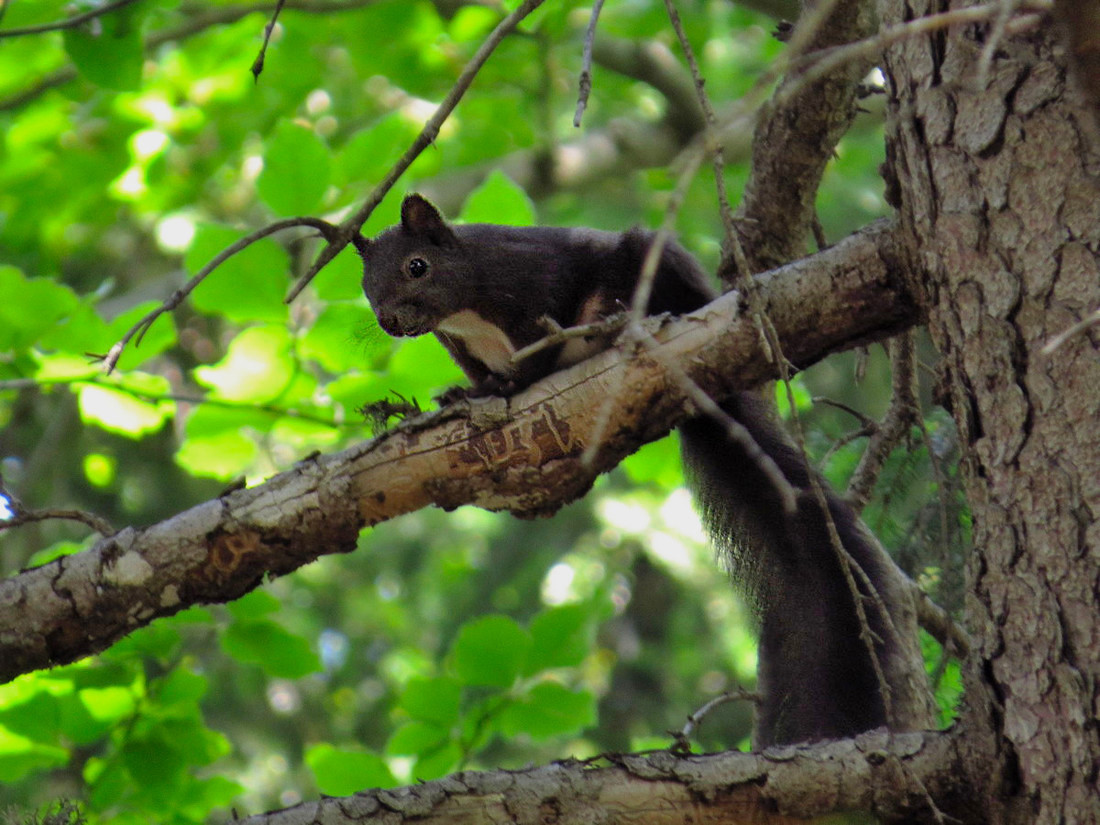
(891, 776)
(525, 454)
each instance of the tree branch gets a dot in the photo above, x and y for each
(522, 454)
(69, 22)
(774, 786)
(797, 135)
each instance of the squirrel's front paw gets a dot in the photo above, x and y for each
(452, 395)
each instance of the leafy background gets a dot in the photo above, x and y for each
(136, 147)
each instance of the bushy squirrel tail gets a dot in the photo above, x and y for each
(817, 674)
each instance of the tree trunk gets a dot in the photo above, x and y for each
(997, 183)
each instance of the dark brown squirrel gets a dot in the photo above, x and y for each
(484, 289)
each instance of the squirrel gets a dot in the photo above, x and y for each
(484, 290)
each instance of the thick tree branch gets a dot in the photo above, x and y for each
(522, 454)
(797, 135)
(875, 772)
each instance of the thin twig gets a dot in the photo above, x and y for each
(895, 425)
(585, 82)
(823, 62)
(562, 334)
(994, 39)
(352, 225)
(21, 515)
(93, 521)
(178, 398)
(731, 249)
(110, 360)
(737, 694)
(1058, 340)
(258, 63)
(69, 22)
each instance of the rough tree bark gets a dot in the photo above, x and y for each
(994, 170)
(999, 194)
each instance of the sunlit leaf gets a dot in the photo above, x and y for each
(257, 367)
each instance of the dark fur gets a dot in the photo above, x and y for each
(815, 672)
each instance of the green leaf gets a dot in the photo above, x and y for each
(108, 51)
(370, 152)
(247, 287)
(498, 200)
(549, 710)
(278, 651)
(254, 605)
(29, 307)
(561, 637)
(657, 462)
(20, 756)
(416, 739)
(489, 651)
(296, 170)
(421, 368)
(438, 763)
(182, 687)
(432, 700)
(344, 771)
(120, 412)
(158, 641)
(341, 279)
(38, 718)
(336, 341)
(803, 398)
(214, 444)
(257, 368)
(81, 332)
(153, 760)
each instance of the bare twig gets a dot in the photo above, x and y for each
(903, 413)
(737, 694)
(69, 22)
(585, 82)
(110, 360)
(561, 335)
(820, 63)
(93, 521)
(258, 63)
(99, 381)
(21, 515)
(1089, 321)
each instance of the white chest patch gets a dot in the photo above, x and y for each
(484, 341)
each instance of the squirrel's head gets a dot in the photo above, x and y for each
(412, 272)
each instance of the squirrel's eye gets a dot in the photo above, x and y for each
(417, 267)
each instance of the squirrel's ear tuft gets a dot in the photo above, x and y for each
(419, 217)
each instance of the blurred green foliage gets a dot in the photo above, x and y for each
(132, 150)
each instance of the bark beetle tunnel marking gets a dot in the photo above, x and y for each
(227, 551)
(544, 437)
